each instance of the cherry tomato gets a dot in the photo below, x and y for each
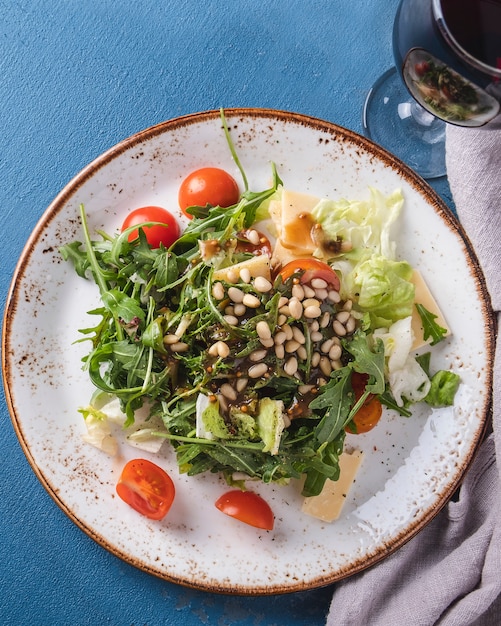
(371, 410)
(147, 488)
(208, 185)
(247, 507)
(165, 233)
(311, 268)
(263, 246)
(422, 68)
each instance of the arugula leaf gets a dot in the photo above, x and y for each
(430, 328)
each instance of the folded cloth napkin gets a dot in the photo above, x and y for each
(450, 573)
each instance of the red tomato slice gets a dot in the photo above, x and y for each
(208, 186)
(165, 233)
(247, 507)
(371, 410)
(311, 268)
(147, 488)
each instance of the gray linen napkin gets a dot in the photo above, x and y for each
(450, 573)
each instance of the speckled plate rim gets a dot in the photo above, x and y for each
(341, 135)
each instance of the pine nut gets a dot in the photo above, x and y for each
(315, 325)
(326, 346)
(288, 331)
(333, 296)
(290, 366)
(350, 325)
(335, 352)
(241, 384)
(283, 301)
(311, 302)
(298, 335)
(257, 355)
(284, 310)
(281, 320)
(302, 353)
(343, 316)
(179, 347)
(308, 291)
(325, 366)
(336, 365)
(295, 308)
(338, 328)
(280, 351)
(298, 292)
(312, 311)
(315, 359)
(218, 291)
(231, 320)
(232, 276)
(239, 309)
(325, 320)
(321, 294)
(170, 339)
(236, 294)
(263, 330)
(304, 389)
(229, 310)
(245, 275)
(253, 237)
(316, 336)
(318, 283)
(292, 345)
(267, 343)
(223, 404)
(348, 305)
(223, 349)
(253, 302)
(213, 350)
(280, 337)
(258, 370)
(262, 284)
(228, 391)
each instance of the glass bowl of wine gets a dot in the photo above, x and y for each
(447, 71)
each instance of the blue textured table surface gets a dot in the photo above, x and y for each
(76, 79)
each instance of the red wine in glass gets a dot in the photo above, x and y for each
(448, 70)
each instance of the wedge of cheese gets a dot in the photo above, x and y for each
(424, 296)
(293, 223)
(327, 506)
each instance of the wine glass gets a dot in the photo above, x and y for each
(448, 70)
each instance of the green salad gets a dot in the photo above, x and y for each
(247, 365)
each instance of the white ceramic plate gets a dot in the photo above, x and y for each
(411, 466)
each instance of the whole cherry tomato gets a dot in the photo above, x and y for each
(166, 233)
(208, 186)
(147, 488)
(371, 410)
(247, 507)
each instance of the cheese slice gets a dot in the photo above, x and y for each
(257, 265)
(424, 296)
(293, 223)
(327, 506)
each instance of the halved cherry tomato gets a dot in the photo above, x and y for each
(311, 268)
(208, 185)
(371, 410)
(248, 507)
(165, 233)
(147, 488)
